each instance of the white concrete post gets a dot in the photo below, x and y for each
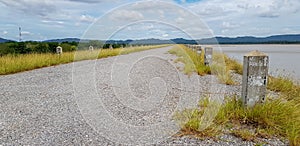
(111, 47)
(91, 48)
(255, 73)
(59, 50)
(208, 52)
(199, 49)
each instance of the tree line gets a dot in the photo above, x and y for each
(50, 47)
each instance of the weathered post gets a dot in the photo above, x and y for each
(255, 72)
(59, 50)
(91, 48)
(199, 49)
(208, 52)
(111, 47)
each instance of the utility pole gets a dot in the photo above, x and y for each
(20, 34)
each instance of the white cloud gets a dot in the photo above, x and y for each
(52, 22)
(126, 15)
(238, 17)
(4, 32)
(70, 18)
(32, 7)
(26, 33)
(228, 25)
(165, 35)
(93, 1)
(87, 19)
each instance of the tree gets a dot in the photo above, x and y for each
(42, 48)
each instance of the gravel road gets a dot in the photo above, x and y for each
(128, 99)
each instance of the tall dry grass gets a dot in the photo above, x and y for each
(23, 62)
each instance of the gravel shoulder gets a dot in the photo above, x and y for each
(126, 99)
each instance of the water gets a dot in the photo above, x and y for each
(284, 59)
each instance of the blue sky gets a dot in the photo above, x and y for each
(131, 19)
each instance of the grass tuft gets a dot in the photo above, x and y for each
(222, 64)
(193, 62)
(245, 134)
(286, 86)
(275, 117)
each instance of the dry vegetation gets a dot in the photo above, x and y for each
(222, 65)
(23, 62)
(277, 117)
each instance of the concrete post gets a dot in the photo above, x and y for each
(208, 52)
(199, 49)
(59, 50)
(111, 47)
(255, 73)
(91, 48)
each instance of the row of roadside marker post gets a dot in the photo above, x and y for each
(255, 74)
(208, 53)
(59, 49)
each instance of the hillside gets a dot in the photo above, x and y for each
(4, 40)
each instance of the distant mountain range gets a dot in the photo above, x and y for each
(63, 40)
(4, 40)
(276, 39)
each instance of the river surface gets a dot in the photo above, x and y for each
(284, 59)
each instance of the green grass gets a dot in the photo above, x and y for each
(222, 64)
(286, 86)
(245, 134)
(17, 63)
(277, 117)
(193, 62)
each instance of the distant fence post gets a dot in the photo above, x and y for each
(208, 52)
(199, 49)
(188, 45)
(255, 72)
(193, 47)
(59, 50)
(111, 47)
(91, 48)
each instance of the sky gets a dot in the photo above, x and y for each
(136, 19)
